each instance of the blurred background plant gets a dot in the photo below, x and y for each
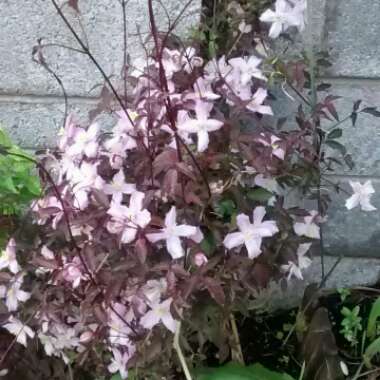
(19, 185)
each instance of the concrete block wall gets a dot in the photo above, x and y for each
(31, 104)
(349, 30)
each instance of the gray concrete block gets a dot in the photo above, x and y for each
(23, 22)
(348, 273)
(352, 31)
(35, 122)
(363, 140)
(352, 232)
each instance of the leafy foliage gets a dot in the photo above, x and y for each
(233, 371)
(19, 185)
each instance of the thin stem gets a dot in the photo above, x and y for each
(237, 351)
(181, 357)
(63, 46)
(318, 146)
(299, 94)
(39, 59)
(93, 59)
(125, 42)
(339, 123)
(302, 371)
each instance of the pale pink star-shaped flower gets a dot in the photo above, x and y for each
(13, 294)
(248, 68)
(118, 323)
(308, 227)
(172, 234)
(160, 312)
(127, 220)
(303, 262)
(361, 197)
(251, 234)
(154, 289)
(256, 102)
(203, 91)
(118, 187)
(119, 361)
(282, 18)
(85, 142)
(8, 257)
(202, 125)
(73, 272)
(84, 179)
(19, 330)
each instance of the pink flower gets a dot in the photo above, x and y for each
(72, 272)
(361, 197)
(217, 69)
(154, 289)
(256, 103)
(308, 228)
(200, 259)
(118, 187)
(172, 63)
(203, 91)
(19, 330)
(122, 136)
(190, 60)
(118, 320)
(285, 16)
(295, 269)
(201, 125)
(84, 179)
(248, 68)
(119, 362)
(251, 234)
(85, 142)
(8, 257)
(172, 233)
(13, 294)
(160, 312)
(126, 220)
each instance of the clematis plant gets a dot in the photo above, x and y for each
(145, 228)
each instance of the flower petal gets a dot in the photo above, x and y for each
(233, 240)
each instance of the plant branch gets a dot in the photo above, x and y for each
(93, 59)
(237, 352)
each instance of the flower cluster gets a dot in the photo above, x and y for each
(138, 225)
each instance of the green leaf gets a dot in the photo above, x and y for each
(372, 319)
(372, 350)
(337, 146)
(335, 134)
(354, 118)
(8, 185)
(232, 371)
(372, 111)
(225, 208)
(208, 243)
(116, 377)
(259, 195)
